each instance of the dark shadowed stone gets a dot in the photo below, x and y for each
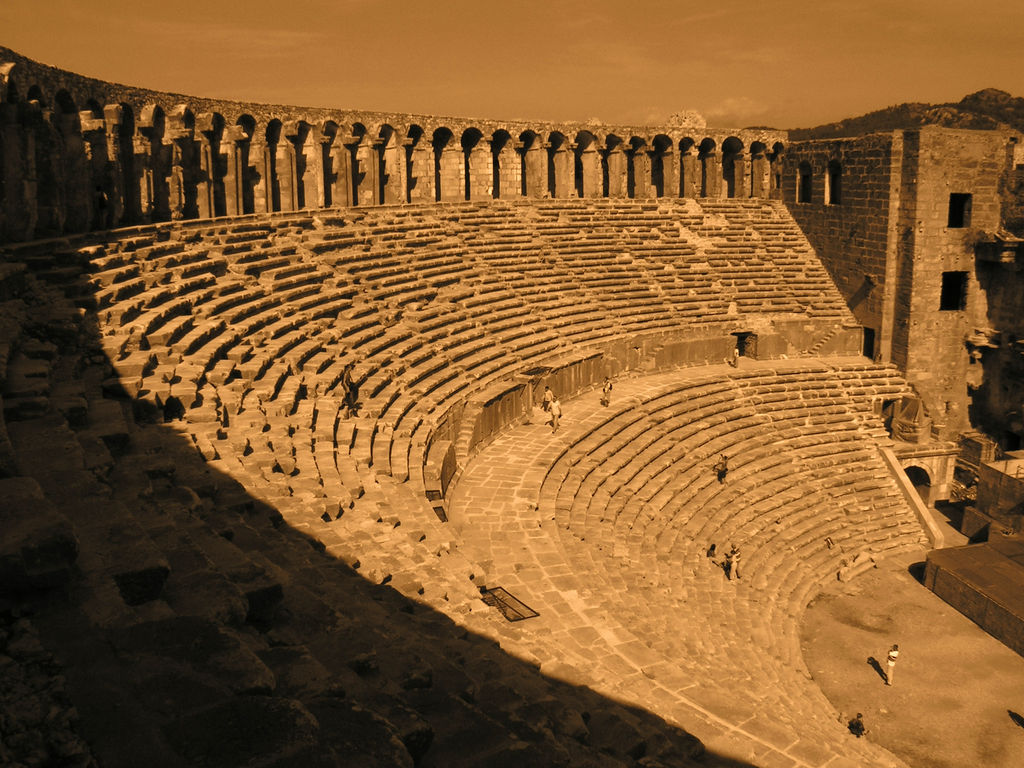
(200, 645)
(207, 594)
(413, 730)
(557, 716)
(360, 738)
(296, 671)
(37, 544)
(245, 732)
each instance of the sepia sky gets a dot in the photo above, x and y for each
(786, 64)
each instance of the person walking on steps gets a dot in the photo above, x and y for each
(606, 392)
(548, 398)
(556, 414)
(733, 562)
(894, 653)
(722, 467)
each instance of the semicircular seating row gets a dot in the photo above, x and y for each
(253, 323)
(634, 504)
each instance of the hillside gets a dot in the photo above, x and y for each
(986, 109)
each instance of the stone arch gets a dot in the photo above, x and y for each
(449, 167)
(804, 182)
(921, 479)
(506, 174)
(709, 174)
(833, 182)
(560, 165)
(478, 166)
(419, 165)
(689, 168)
(760, 170)
(587, 162)
(249, 150)
(614, 167)
(664, 167)
(35, 93)
(534, 165)
(734, 170)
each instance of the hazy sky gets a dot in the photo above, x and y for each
(788, 63)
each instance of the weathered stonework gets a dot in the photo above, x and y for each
(890, 243)
(80, 154)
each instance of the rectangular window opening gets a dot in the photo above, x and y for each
(959, 210)
(954, 291)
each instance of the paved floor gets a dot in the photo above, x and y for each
(719, 658)
(956, 689)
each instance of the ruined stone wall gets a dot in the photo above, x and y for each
(848, 225)
(79, 154)
(949, 162)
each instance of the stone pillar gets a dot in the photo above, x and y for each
(233, 152)
(206, 181)
(18, 154)
(285, 169)
(643, 189)
(366, 173)
(176, 178)
(563, 164)
(95, 146)
(760, 175)
(535, 167)
(262, 168)
(421, 171)
(740, 173)
(393, 163)
(670, 173)
(341, 159)
(689, 166)
(711, 174)
(452, 173)
(617, 172)
(590, 169)
(510, 179)
(481, 171)
(122, 202)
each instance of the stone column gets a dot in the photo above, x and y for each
(366, 173)
(535, 166)
(711, 174)
(670, 173)
(689, 165)
(481, 171)
(590, 164)
(759, 175)
(232, 151)
(642, 186)
(122, 202)
(562, 162)
(262, 167)
(617, 172)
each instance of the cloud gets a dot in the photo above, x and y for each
(735, 111)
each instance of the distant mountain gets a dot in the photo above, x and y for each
(988, 108)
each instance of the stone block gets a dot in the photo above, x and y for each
(38, 547)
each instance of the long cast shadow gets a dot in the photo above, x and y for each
(256, 645)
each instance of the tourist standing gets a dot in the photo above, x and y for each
(606, 391)
(556, 414)
(894, 653)
(722, 468)
(733, 561)
(548, 398)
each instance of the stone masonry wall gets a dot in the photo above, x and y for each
(849, 235)
(949, 162)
